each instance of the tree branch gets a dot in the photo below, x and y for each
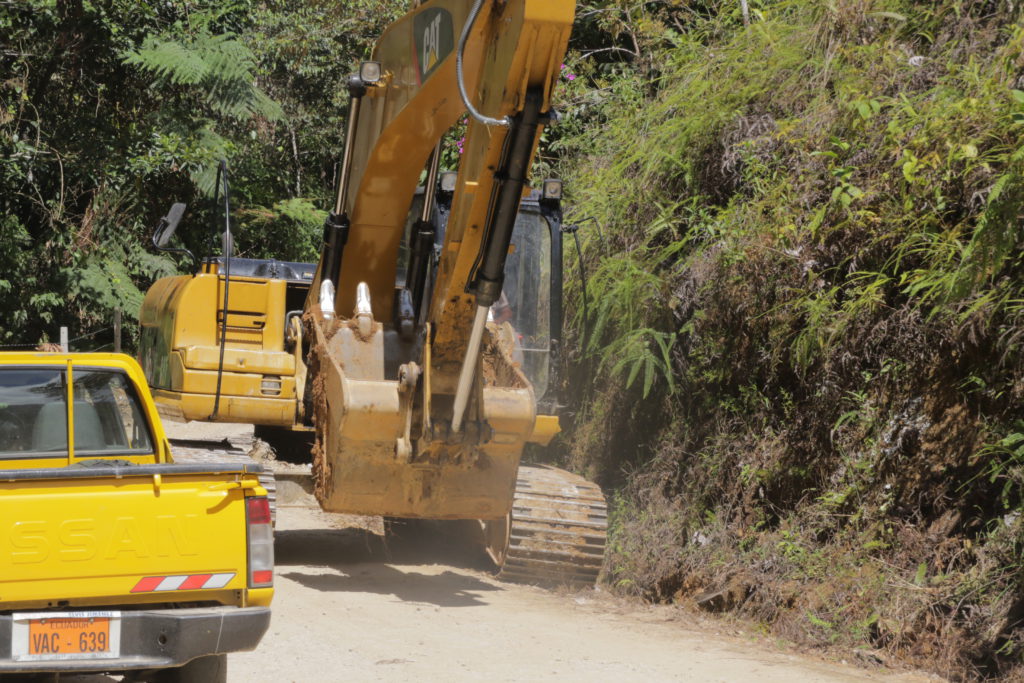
(610, 49)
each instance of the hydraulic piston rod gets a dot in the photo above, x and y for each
(336, 225)
(490, 274)
(468, 371)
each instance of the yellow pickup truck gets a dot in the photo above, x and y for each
(113, 558)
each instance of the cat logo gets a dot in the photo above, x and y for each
(433, 38)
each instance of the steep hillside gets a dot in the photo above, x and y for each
(806, 320)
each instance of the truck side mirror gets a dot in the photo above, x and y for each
(168, 224)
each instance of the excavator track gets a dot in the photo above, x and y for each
(558, 528)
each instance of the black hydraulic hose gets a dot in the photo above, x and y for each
(490, 273)
(222, 177)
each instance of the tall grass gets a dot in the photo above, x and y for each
(809, 275)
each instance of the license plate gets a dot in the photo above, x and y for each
(42, 636)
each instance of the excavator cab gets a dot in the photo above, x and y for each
(223, 344)
(530, 302)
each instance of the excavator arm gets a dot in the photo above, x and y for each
(421, 405)
(514, 49)
(442, 436)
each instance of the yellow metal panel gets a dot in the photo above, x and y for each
(239, 360)
(192, 313)
(233, 383)
(545, 428)
(182, 312)
(256, 305)
(96, 538)
(259, 597)
(233, 409)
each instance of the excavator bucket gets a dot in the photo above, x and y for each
(362, 461)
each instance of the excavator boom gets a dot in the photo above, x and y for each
(515, 49)
(436, 440)
(422, 348)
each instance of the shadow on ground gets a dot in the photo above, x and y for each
(408, 542)
(447, 589)
(364, 562)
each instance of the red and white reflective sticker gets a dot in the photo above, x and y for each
(182, 582)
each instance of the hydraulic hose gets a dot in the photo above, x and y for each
(474, 12)
(222, 177)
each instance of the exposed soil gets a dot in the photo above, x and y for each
(421, 607)
(420, 604)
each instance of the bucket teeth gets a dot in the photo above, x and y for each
(559, 525)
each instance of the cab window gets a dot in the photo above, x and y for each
(108, 417)
(525, 301)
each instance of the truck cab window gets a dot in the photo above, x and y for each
(112, 421)
(33, 414)
(23, 393)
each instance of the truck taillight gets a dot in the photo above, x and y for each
(261, 542)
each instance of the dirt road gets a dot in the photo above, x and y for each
(349, 608)
(423, 607)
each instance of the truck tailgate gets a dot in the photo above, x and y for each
(121, 535)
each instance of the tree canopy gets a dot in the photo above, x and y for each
(110, 110)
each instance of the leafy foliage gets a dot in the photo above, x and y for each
(111, 111)
(805, 232)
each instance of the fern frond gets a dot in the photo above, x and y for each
(219, 66)
(227, 58)
(205, 177)
(171, 60)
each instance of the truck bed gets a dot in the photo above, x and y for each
(124, 535)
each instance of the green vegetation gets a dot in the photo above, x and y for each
(802, 373)
(806, 256)
(112, 110)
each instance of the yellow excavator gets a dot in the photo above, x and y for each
(420, 346)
